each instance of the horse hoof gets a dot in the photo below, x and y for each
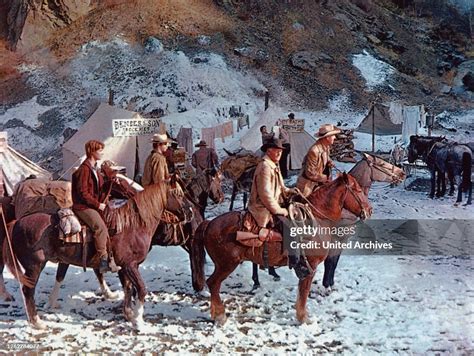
(306, 321)
(111, 295)
(220, 319)
(203, 294)
(255, 287)
(38, 324)
(276, 278)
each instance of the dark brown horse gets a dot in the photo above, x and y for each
(35, 241)
(202, 186)
(219, 239)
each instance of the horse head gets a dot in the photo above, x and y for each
(383, 171)
(214, 178)
(354, 199)
(412, 149)
(177, 203)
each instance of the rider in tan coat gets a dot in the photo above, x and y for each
(268, 192)
(156, 167)
(317, 164)
(268, 186)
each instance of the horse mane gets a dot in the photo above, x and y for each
(317, 194)
(143, 210)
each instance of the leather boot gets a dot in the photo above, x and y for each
(301, 269)
(292, 261)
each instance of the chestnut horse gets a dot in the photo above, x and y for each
(219, 239)
(366, 171)
(35, 241)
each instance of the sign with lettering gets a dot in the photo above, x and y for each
(135, 127)
(293, 125)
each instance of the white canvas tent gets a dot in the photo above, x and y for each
(121, 150)
(393, 119)
(16, 167)
(300, 141)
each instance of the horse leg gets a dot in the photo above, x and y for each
(433, 183)
(245, 200)
(304, 287)
(7, 297)
(33, 272)
(272, 272)
(106, 292)
(438, 185)
(232, 198)
(127, 299)
(330, 264)
(139, 286)
(256, 282)
(214, 283)
(451, 179)
(60, 274)
(443, 184)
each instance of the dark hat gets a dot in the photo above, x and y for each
(273, 143)
(201, 143)
(291, 115)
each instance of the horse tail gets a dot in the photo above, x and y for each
(466, 170)
(11, 260)
(198, 256)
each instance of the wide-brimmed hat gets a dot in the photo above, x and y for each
(327, 130)
(201, 143)
(273, 143)
(160, 138)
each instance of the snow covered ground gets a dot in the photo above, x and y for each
(381, 304)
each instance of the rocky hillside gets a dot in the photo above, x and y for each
(305, 53)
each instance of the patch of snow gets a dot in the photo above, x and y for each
(374, 71)
(27, 112)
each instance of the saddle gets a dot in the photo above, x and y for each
(252, 235)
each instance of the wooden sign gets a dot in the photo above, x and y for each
(293, 125)
(135, 127)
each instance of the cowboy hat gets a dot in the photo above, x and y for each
(201, 143)
(327, 130)
(160, 138)
(273, 143)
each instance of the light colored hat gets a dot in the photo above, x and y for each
(327, 130)
(160, 138)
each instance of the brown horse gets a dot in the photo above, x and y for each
(35, 241)
(219, 239)
(207, 184)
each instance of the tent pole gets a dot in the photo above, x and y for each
(373, 129)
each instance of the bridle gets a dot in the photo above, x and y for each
(363, 213)
(374, 165)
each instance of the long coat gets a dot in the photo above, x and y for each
(314, 165)
(203, 158)
(87, 188)
(155, 170)
(266, 191)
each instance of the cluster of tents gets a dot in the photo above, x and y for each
(131, 151)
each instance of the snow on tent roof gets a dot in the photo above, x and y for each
(388, 120)
(16, 167)
(121, 150)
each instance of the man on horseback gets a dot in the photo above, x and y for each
(267, 192)
(317, 164)
(88, 202)
(156, 167)
(204, 158)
